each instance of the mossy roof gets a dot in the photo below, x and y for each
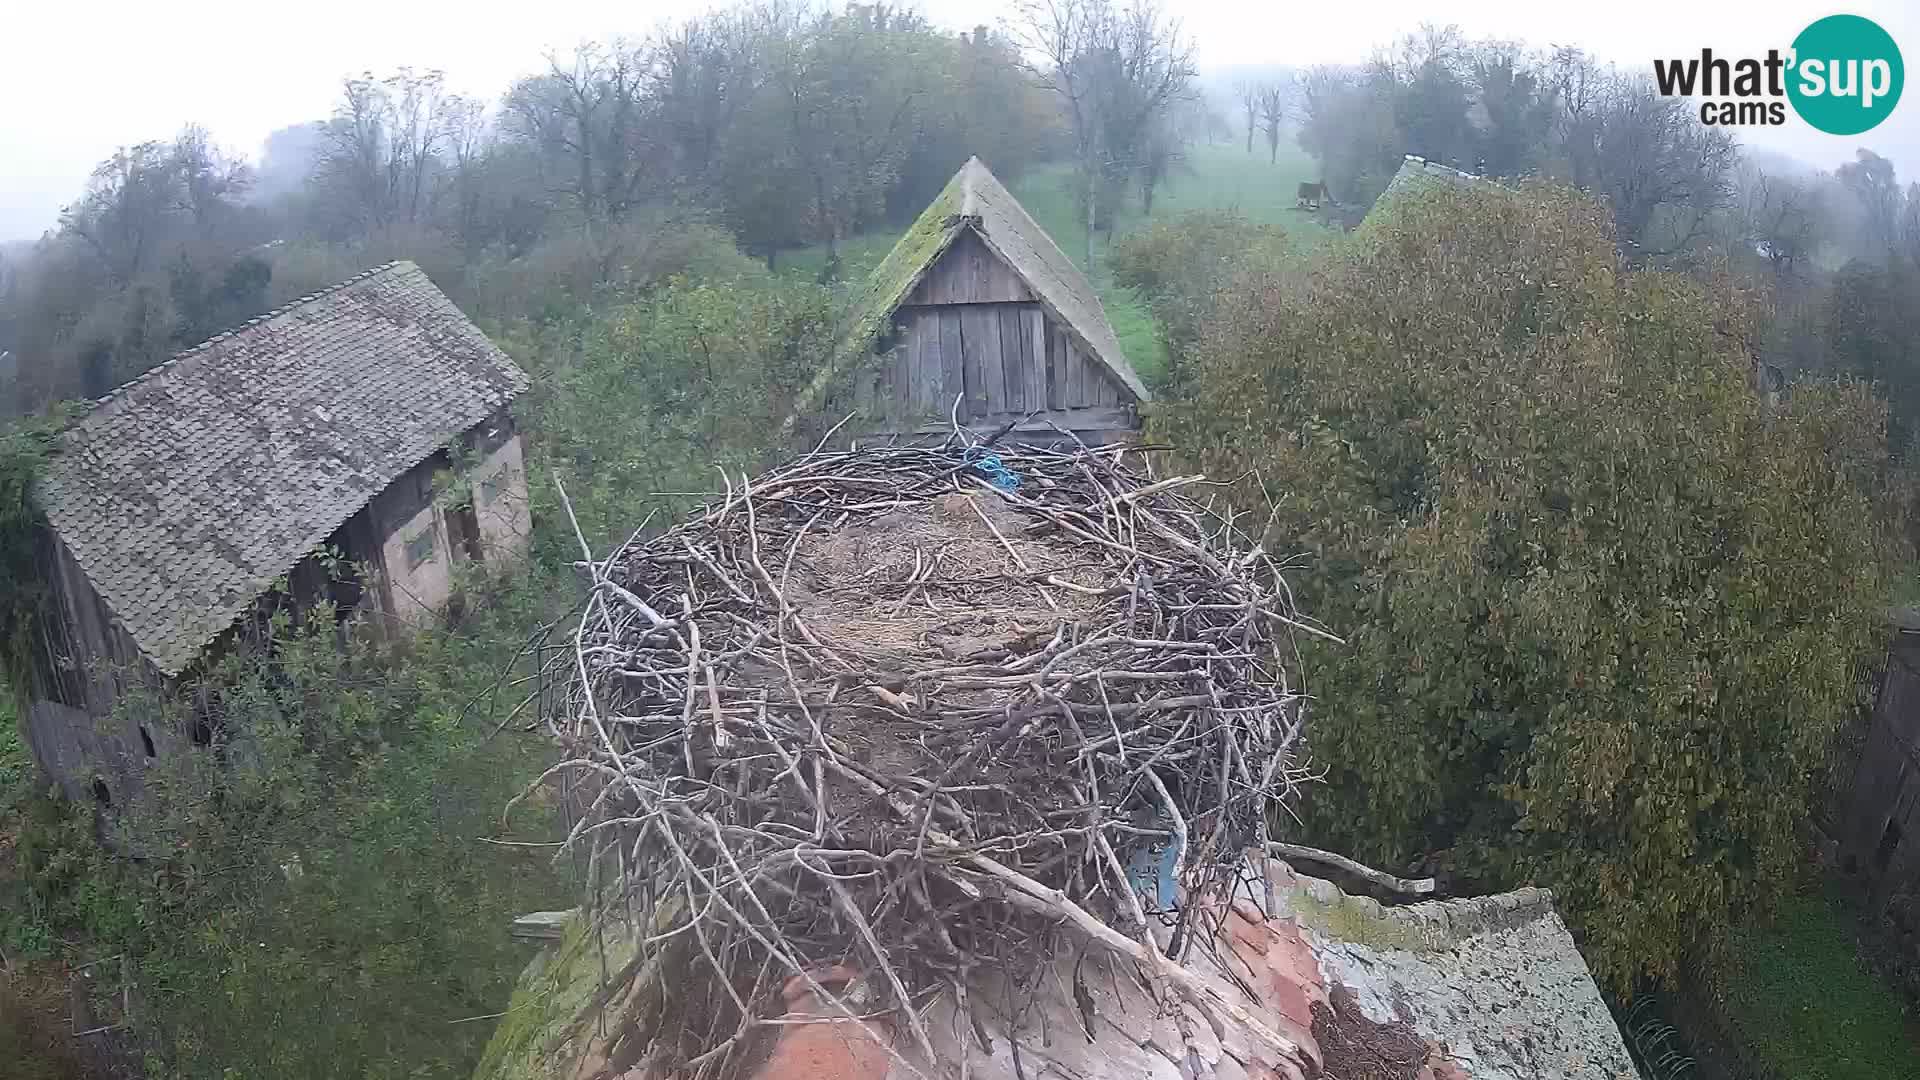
(975, 199)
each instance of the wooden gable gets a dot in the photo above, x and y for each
(973, 329)
(969, 273)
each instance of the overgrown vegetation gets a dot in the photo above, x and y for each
(1590, 645)
(312, 896)
(23, 447)
(1802, 1004)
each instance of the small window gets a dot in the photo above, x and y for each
(420, 549)
(146, 741)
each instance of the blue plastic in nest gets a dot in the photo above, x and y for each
(992, 469)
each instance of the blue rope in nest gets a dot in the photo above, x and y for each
(992, 469)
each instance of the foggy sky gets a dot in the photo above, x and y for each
(78, 81)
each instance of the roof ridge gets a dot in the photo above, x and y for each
(204, 346)
(969, 195)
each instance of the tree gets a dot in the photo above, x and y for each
(383, 151)
(1781, 220)
(1663, 172)
(1588, 644)
(1247, 93)
(130, 206)
(589, 119)
(1870, 179)
(1347, 123)
(1117, 73)
(1429, 94)
(1514, 100)
(1273, 113)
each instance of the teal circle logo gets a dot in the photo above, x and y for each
(1846, 74)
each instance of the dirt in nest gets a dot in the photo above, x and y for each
(920, 587)
(1352, 1047)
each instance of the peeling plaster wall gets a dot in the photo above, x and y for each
(499, 481)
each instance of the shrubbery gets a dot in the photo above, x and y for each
(1603, 605)
(320, 904)
(650, 396)
(1185, 264)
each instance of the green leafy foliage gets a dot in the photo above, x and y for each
(1182, 264)
(651, 396)
(311, 896)
(23, 447)
(1603, 606)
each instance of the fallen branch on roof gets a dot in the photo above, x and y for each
(1399, 885)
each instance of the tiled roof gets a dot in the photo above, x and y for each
(1417, 174)
(1488, 988)
(185, 493)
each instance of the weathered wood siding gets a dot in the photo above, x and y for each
(969, 273)
(1003, 359)
(86, 664)
(1880, 832)
(973, 330)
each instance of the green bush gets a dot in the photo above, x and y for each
(1182, 265)
(1603, 606)
(312, 896)
(651, 396)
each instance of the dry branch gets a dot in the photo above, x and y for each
(866, 711)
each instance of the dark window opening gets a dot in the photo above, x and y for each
(1883, 855)
(206, 713)
(146, 741)
(100, 793)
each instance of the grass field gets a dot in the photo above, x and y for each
(1805, 1007)
(1218, 177)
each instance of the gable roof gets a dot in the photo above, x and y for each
(975, 200)
(1417, 174)
(185, 493)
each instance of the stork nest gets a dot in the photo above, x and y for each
(869, 713)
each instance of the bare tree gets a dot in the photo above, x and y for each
(383, 149)
(1870, 179)
(1272, 102)
(1664, 173)
(588, 117)
(125, 213)
(1781, 220)
(210, 180)
(1117, 71)
(1247, 93)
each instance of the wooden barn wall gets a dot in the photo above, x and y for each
(1880, 834)
(969, 273)
(1005, 359)
(83, 664)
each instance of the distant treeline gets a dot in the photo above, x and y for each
(785, 125)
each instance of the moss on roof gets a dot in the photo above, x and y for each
(975, 199)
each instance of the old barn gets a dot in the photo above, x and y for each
(341, 454)
(977, 315)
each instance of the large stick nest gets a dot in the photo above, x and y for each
(868, 712)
